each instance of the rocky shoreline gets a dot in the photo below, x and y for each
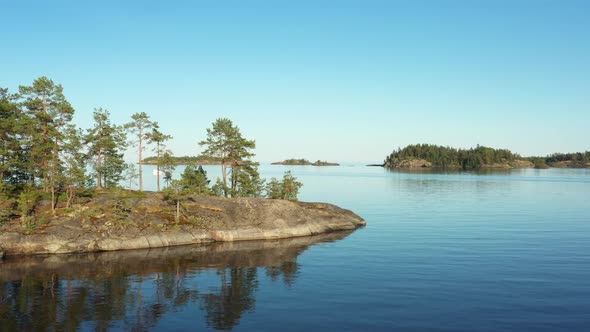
(150, 223)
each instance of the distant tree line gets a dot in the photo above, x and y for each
(580, 159)
(441, 156)
(186, 160)
(44, 156)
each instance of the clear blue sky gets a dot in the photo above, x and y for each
(341, 80)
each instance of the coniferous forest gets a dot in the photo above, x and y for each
(45, 157)
(480, 156)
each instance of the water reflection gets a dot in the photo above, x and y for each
(134, 290)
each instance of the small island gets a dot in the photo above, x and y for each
(61, 187)
(185, 160)
(304, 162)
(121, 220)
(480, 157)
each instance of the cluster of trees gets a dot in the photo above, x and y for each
(441, 156)
(185, 160)
(287, 188)
(577, 159)
(239, 173)
(43, 155)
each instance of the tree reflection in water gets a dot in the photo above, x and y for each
(134, 290)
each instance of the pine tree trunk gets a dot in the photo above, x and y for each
(70, 197)
(45, 133)
(53, 201)
(177, 211)
(140, 160)
(98, 170)
(158, 163)
(53, 171)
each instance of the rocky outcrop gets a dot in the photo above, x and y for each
(149, 223)
(519, 163)
(508, 165)
(411, 163)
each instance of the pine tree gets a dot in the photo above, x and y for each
(106, 144)
(73, 178)
(139, 127)
(52, 115)
(167, 166)
(158, 138)
(225, 142)
(131, 174)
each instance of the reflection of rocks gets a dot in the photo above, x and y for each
(215, 255)
(211, 219)
(135, 289)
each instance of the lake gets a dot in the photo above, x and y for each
(446, 251)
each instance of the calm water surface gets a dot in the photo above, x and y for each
(494, 251)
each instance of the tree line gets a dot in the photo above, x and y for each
(441, 156)
(44, 155)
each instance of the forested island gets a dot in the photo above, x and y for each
(61, 187)
(480, 157)
(185, 160)
(304, 162)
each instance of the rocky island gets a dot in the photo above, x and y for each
(133, 220)
(65, 195)
(304, 162)
(480, 157)
(185, 160)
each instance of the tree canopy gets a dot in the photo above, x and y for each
(45, 157)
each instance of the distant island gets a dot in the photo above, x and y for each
(304, 162)
(481, 157)
(186, 160)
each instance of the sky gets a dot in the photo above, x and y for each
(337, 80)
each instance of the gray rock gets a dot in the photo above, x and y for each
(212, 219)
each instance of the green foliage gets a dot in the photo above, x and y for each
(246, 181)
(131, 175)
(176, 192)
(287, 188)
(477, 157)
(139, 127)
(539, 162)
(158, 138)
(296, 162)
(120, 210)
(576, 159)
(194, 180)
(219, 189)
(5, 214)
(441, 156)
(186, 160)
(27, 200)
(225, 142)
(106, 146)
(274, 189)
(51, 114)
